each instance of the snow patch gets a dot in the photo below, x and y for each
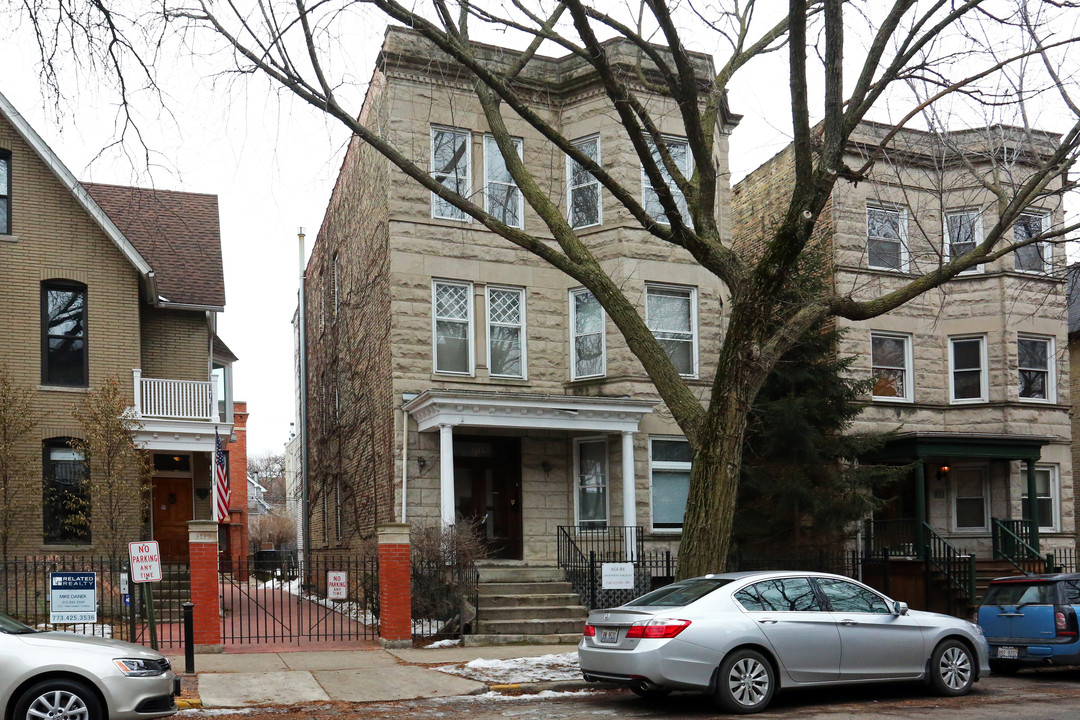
(519, 670)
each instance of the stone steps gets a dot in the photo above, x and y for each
(519, 602)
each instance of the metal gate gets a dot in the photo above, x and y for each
(272, 598)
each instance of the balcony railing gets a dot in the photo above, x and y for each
(175, 399)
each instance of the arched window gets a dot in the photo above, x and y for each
(65, 497)
(64, 359)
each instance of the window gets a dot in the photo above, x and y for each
(506, 332)
(890, 363)
(1035, 357)
(5, 192)
(502, 197)
(679, 150)
(453, 327)
(583, 190)
(587, 336)
(1046, 496)
(63, 334)
(963, 232)
(969, 499)
(967, 366)
(590, 468)
(780, 595)
(847, 597)
(671, 314)
(669, 471)
(450, 166)
(886, 238)
(65, 495)
(1036, 256)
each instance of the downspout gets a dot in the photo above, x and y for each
(404, 462)
(303, 405)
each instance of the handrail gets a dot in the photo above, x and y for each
(897, 536)
(958, 568)
(1009, 544)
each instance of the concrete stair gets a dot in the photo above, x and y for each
(171, 593)
(520, 602)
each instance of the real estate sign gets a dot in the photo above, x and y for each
(617, 576)
(72, 597)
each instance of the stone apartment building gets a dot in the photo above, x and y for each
(453, 377)
(973, 377)
(103, 281)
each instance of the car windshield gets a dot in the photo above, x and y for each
(10, 626)
(682, 593)
(1020, 593)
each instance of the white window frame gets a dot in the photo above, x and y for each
(494, 148)
(954, 496)
(947, 249)
(1055, 496)
(676, 191)
(1046, 249)
(524, 375)
(435, 328)
(1051, 367)
(902, 231)
(462, 216)
(570, 187)
(664, 465)
(983, 371)
(574, 338)
(909, 375)
(578, 442)
(693, 319)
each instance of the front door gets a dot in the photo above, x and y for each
(487, 491)
(173, 507)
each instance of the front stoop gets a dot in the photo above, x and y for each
(525, 603)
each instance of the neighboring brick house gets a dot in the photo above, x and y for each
(453, 376)
(100, 281)
(974, 376)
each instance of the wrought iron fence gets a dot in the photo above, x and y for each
(1063, 560)
(582, 553)
(443, 598)
(896, 536)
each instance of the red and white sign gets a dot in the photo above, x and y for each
(337, 584)
(145, 561)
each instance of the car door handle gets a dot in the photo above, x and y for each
(767, 621)
(849, 622)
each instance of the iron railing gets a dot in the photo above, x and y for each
(955, 567)
(581, 554)
(1011, 542)
(444, 598)
(898, 537)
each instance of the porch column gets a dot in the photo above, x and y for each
(920, 507)
(446, 475)
(629, 495)
(1033, 505)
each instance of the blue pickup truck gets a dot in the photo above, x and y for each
(1031, 620)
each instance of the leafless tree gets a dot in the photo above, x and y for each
(19, 486)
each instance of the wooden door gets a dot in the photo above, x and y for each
(172, 510)
(488, 491)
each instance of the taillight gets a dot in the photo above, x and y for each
(661, 628)
(1065, 621)
(590, 631)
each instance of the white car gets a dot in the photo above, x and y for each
(62, 676)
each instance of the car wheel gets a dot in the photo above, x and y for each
(952, 668)
(58, 700)
(1004, 667)
(649, 692)
(746, 682)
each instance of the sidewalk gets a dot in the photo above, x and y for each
(374, 675)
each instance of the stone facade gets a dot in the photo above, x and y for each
(373, 349)
(998, 305)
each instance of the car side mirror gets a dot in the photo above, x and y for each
(899, 608)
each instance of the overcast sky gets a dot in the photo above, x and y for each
(272, 161)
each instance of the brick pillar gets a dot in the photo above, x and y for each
(203, 551)
(395, 586)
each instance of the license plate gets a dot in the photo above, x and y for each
(609, 635)
(1008, 652)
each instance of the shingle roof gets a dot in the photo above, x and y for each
(179, 235)
(222, 351)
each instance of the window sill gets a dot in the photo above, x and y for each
(63, 388)
(9, 238)
(892, 400)
(66, 547)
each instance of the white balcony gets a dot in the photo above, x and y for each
(175, 399)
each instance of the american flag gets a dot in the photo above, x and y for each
(222, 491)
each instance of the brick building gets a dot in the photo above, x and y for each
(973, 376)
(100, 281)
(452, 376)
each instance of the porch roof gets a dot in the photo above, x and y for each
(912, 446)
(478, 408)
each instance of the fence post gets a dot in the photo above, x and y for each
(203, 552)
(592, 579)
(189, 637)
(395, 586)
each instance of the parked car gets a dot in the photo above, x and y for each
(1031, 620)
(63, 676)
(744, 636)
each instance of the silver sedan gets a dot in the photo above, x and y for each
(62, 676)
(744, 636)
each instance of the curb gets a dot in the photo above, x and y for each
(188, 703)
(533, 688)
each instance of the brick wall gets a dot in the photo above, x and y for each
(175, 344)
(238, 462)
